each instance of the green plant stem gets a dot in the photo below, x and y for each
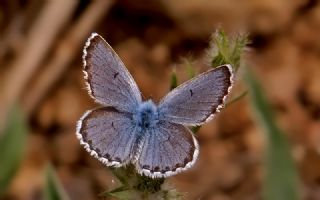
(237, 98)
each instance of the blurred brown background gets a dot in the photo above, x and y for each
(41, 67)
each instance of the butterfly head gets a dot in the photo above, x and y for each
(146, 115)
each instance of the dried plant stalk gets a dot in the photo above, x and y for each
(51, 20)
(65, 52)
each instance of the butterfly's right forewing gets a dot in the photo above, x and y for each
(108, 80)
(196, 101)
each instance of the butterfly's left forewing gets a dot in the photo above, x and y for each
(108, 81)
(166, 149)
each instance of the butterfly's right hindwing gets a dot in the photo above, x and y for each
(166, 149)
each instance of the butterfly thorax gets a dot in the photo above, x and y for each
(146, 116)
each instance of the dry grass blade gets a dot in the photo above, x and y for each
(51, 20)
(65, 52)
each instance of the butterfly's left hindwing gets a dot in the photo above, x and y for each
(108, 135)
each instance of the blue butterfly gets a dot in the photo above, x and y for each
(129, 130)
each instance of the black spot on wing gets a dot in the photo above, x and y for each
(113, 126)
(191, 92)
(115, 75)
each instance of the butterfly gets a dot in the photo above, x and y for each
(127, 129)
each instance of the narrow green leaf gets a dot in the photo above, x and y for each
(195, 129)
(222, 47)
(281, 177)
(121, 175)
(190, 68)
(226, 49)
(126, 195)
(118, 189)
(174, 80)
(12, 143)
(53, 189)
(110, 193)
(237, 98)
(240, 42)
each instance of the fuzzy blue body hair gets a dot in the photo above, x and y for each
(146, 116)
